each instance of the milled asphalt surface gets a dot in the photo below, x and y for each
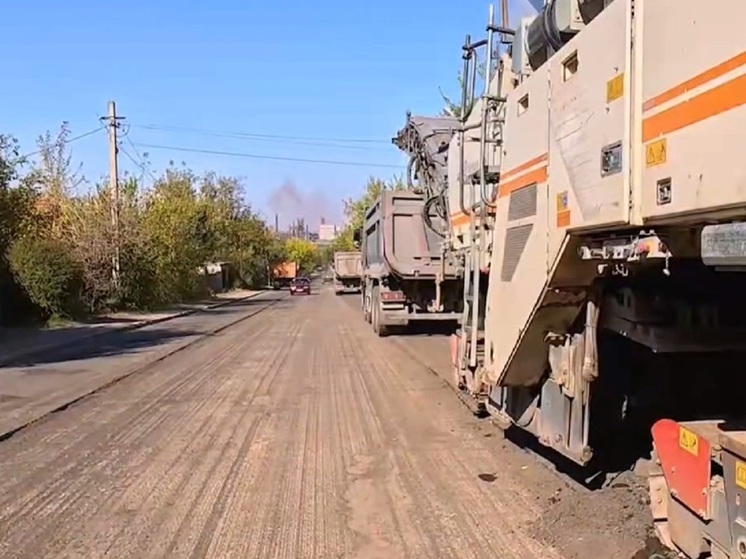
(294, 433)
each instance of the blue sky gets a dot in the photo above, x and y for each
(322, 69)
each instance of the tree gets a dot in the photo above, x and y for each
(18, 202)
(62, 240)
(55, 178)
(454, 108)
(304, 253)
(256, 249)
(48, 273)
(355, 208)
(222, 204)
(326, 253)
(54, 171)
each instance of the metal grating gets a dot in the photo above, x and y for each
(515, 243)
(522, 203)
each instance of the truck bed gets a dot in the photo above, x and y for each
(348, 265)
(399, 242)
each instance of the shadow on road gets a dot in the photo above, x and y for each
(30, 348)
(103, 344)
(424, 329)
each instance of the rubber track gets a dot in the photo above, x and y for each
(70, 403)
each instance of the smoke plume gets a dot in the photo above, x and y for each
(291, 203)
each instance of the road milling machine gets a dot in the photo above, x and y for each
(599, 209)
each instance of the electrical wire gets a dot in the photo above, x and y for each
(269, 157)
(70, 140)
(142, 163)
(252, 135)
(142, 166)
(251, 138)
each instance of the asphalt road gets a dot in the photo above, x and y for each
(292, 433)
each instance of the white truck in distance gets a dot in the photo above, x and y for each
(348, 271)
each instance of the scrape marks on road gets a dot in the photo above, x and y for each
(125, 463)
(296, 434)
(438, 460)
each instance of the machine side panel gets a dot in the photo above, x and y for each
(575, 149)
(693, 108)
(589, 146)
(517, 270)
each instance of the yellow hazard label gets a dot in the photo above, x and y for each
(563, 209)
(615, 88)
(740, 474)
(655, 153)
(562, 201)
(688, 441)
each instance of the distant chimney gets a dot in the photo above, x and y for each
(277, 223)
(323, 221)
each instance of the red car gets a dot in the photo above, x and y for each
(300, 285)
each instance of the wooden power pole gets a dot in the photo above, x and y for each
(112, 124)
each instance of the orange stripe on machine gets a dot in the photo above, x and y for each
(516, 178)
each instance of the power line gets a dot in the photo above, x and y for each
(270, 157)
(245, 137)
(142, 166)
(253, 135)
(71, 140)
(142, 163)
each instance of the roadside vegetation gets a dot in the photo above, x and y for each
(59, 244)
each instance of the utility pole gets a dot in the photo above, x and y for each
(112, 124)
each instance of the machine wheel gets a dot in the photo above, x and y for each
(375, 304)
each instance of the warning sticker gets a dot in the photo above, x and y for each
(562, 201)
(740, 474)
(563, 209)
(655, 153)
(688, 441)
(615, 88)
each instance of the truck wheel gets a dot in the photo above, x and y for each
(366, 312)
(375, 304)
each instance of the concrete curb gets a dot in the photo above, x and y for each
(8, 359)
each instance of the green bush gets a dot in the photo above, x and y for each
(48, 274)
(140, 287)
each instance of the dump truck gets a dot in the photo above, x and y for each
(283, 274)
(596, 196)
(348, 271)
(406, 276)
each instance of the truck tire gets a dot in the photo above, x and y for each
(366, 311)
(375, 304)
